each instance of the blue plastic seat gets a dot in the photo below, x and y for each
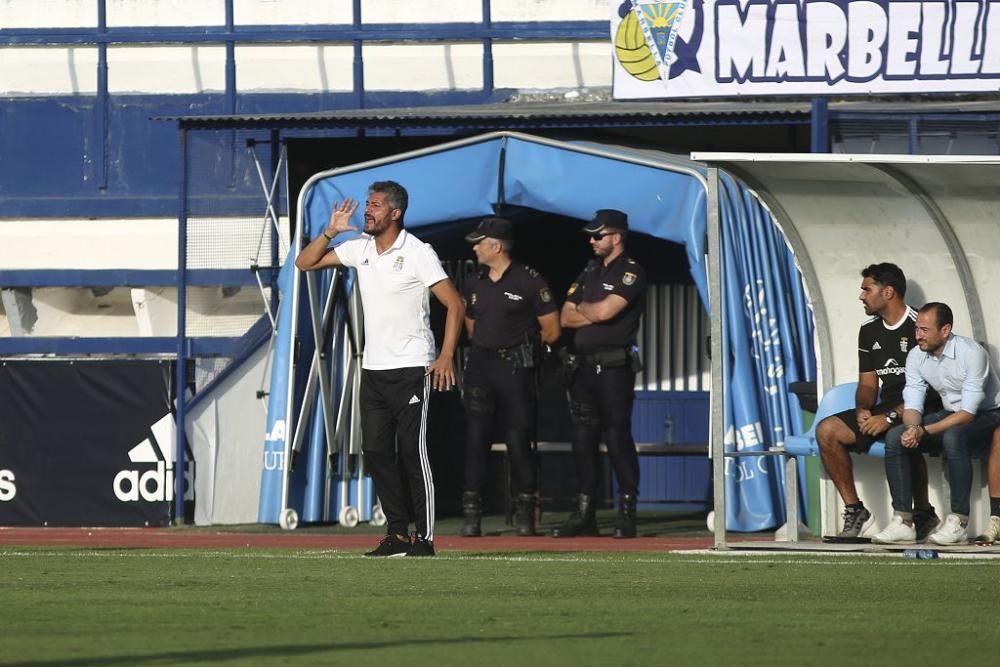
(837, 399)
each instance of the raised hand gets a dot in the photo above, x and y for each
(340, 218)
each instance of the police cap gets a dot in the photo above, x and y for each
(606, 218)
(494, 228)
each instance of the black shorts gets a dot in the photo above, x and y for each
(862, 441)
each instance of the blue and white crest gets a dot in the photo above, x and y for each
(659, 39)
(659, 21)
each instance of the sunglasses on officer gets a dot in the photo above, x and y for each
(597, 236)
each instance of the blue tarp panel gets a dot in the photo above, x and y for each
(664, 197)
(451, 185)
(663, 203)
(767, 349)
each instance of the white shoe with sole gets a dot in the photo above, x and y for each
(951, 532)
(992, 533)
(896, 532)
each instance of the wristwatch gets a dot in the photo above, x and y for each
(892, 416)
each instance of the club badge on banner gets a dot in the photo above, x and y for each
(710, 48)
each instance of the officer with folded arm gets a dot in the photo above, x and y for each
(603, 306)
(510, 314)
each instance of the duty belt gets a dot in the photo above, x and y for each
(609, 359)
(495, 352)
(521, 356)
(613, 358)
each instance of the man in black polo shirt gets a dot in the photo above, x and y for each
(509, 313)
(604, 306)
(883, 343)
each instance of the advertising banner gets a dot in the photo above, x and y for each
(711, 48)
(87, 443)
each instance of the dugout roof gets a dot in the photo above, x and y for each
(937, 217)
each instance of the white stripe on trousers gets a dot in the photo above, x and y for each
(425, 464)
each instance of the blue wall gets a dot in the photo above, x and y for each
(679, 418)
(51, 149)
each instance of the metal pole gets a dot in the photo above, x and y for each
(819, 126)
(230, 92)
(359, 59)
(181, 370)
(101, 104)
(716, 427)
(487, 50)
(913, 134)
(276, 164)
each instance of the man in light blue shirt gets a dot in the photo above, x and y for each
(958, 368)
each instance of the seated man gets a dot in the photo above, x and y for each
(883, 342)
(991, 535)
(959, 369)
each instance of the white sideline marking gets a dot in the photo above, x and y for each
(888, 558)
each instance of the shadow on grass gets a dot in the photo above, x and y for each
(230, 654)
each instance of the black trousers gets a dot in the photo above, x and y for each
(394, 444)
(493, 385)
(601, 404)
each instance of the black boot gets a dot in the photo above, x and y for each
(625, 525)
(472, 510)
(582, 521)
(525, 514)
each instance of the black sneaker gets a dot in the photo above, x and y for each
(855, 519)
(390, 547)
(925, 522)
(420, 548)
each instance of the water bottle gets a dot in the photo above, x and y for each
(668, 430)
(921, 554)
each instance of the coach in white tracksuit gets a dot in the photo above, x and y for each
(396, 271)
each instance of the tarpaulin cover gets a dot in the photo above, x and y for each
(664, 197)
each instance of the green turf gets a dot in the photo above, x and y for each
(151, 607)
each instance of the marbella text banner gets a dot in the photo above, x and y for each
(706, 48)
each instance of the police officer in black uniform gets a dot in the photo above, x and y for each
(604, 306)
(509, 314)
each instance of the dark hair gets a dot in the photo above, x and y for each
(888, 275)
(395, 195)
(941, 312)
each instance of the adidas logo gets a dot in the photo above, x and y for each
(876, 346)
(154, 485)
(414, 400)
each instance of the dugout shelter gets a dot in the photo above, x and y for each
(451, 186)
(937, 217)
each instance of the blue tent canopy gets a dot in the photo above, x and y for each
(664, 197)
(768, 344)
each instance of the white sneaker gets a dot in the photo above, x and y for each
(896, 532)
(992, 533)
(952, 531)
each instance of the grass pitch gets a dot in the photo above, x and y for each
(152, 607)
